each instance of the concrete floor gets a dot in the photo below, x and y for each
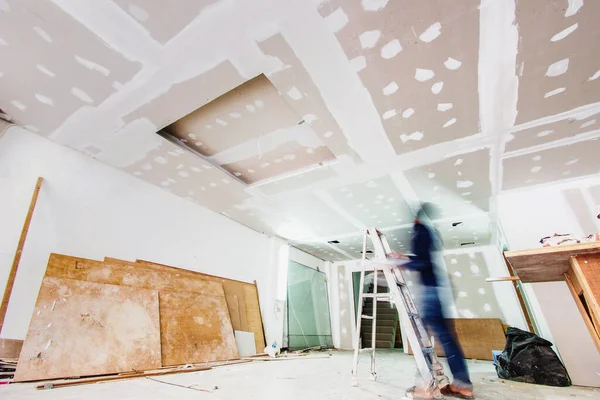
(306, 379)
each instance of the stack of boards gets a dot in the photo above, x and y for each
(113, 316)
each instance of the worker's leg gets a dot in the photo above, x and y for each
(434, 318)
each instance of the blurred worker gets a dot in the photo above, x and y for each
(425, 241)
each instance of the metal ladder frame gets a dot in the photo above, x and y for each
(430, 369)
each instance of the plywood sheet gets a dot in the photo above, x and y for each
(195, 328)
(254, 316)
(547, 264)
(10, 348)
(587, 271)
(234, 293)
(476, 336)
(188, 304)
(84, 328)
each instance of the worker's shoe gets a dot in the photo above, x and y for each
(452, 391)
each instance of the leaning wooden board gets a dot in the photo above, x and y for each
(188, 305)
(83, 328)
(242, 301)
(476, 336)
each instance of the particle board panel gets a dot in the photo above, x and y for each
(85, 328)
(234, 293)
(201, 305)
(547, 264)
(477, 337)
(242, 301)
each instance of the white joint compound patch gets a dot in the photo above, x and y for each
(458, 162)
(389, 114)
(92, 66)
(544, 133)
(464, 184)
(81, 95)
(369, 39)
(294, 93)
(574, 6)
(44, 100)
(449, 122)
(595, 76)
(564, 33)
(558, 68)
(436, 88)
(358, 63)
(536, 169)
(423, 75)
(413, 136)
(43, 34)
(337, 20)
(391, 49)
(19, 105)
(374, 5)
(408, 113)
(554, 92)
(444, 106)
(452, 64)
(431, 33)
(45, 70)
(391, 88)
(587, 124)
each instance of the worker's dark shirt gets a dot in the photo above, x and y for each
(422, 246)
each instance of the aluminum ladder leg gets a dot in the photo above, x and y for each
(430, 369)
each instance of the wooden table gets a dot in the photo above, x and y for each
(578, 265)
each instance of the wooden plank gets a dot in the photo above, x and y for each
(191, 308)
(503, 279)
(56, 385)
(586, 318)
(520, 297)
(84, 328)
(476, 336)
(547, 264)
(10, 348)
(254, 316)
(587, 271)
(15, 265)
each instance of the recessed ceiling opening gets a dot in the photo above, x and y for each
(252, 133)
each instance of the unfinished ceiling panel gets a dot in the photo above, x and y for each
(179, 98)
(302, 95)
(52, 65)
(252, 133)
(418, 60)
(459, 185)
(473, 230)
(553, 131)
(321, 251)
(554, 164)
(558, 63)
(163, 22)
(376, 202)
(188, 176)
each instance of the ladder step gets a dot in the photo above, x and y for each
(368, 350)
(377, 296)
(366, 316)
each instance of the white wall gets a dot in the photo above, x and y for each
(90, 210)
(527, 216)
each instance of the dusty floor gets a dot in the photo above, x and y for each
(307, 379)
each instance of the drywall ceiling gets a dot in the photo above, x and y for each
(311, 119)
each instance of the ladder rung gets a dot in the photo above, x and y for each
(367, 316)
(377, 296)
(369, 350)
(428, 349)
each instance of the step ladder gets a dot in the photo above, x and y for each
(430, 369)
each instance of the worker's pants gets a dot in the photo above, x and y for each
(433, 317)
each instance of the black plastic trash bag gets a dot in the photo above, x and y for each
(529, 358)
